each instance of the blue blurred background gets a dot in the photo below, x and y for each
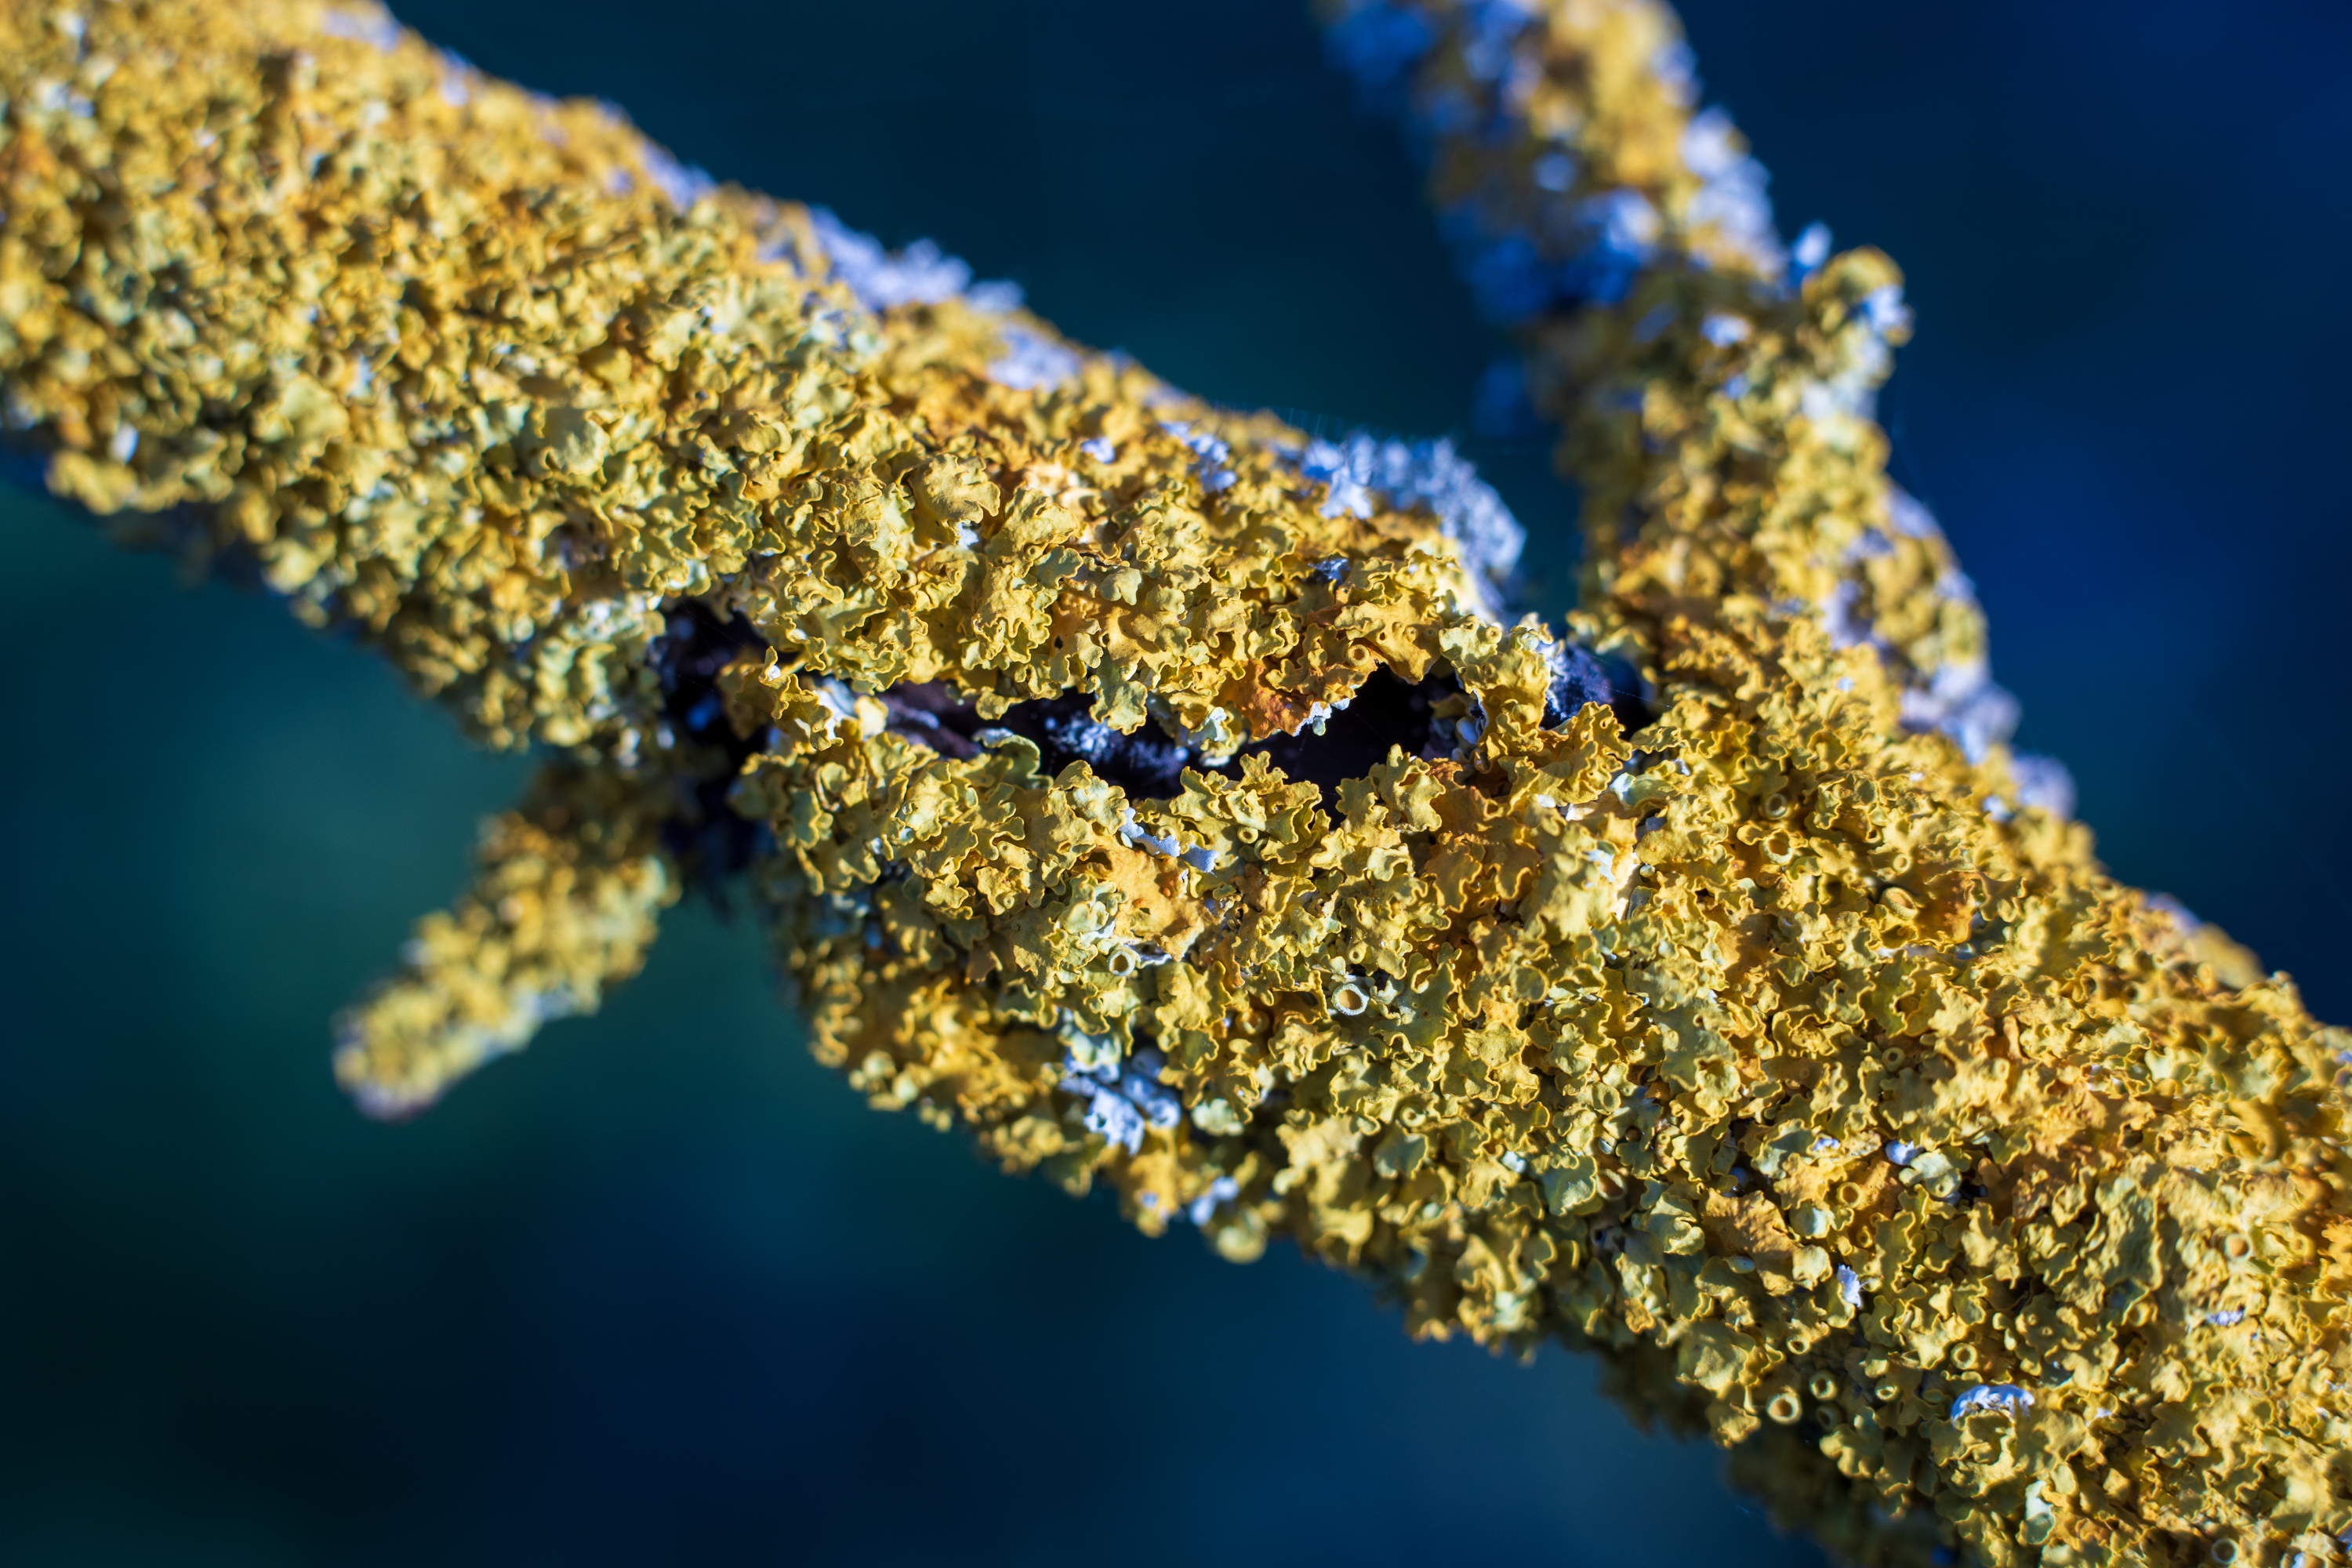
(661, 1290)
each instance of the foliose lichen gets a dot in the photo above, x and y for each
(1157, 794)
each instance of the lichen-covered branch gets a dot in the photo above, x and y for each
(570, 888)
(1160, 794)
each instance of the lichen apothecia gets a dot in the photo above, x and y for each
(1167, 797)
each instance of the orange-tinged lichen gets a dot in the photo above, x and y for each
(1784, 1050)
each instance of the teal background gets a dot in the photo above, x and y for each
(661, 1290)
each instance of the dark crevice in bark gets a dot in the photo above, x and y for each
(710, 842)
(1148, 764)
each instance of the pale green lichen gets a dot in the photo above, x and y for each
(1975, 1201)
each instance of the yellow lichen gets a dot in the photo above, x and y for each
(1778, 1051)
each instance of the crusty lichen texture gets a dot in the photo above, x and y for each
(1790, 1051)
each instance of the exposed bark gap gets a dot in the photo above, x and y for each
(1148, 764)
(710, 842)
